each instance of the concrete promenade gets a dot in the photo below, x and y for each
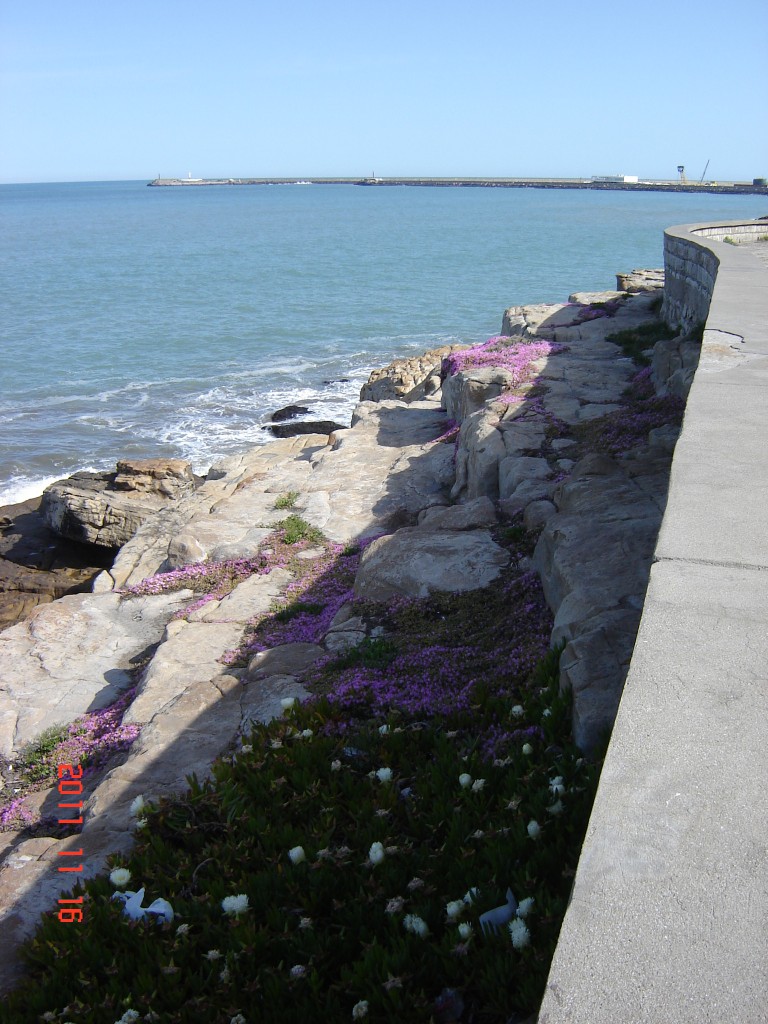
(668, 921)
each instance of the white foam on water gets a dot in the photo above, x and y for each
(22, 488)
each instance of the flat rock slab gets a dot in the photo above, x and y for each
(73, 656)
(414, 562)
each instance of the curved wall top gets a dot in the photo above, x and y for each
(692, 256)
(668, 920)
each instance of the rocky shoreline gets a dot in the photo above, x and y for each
(549, 430)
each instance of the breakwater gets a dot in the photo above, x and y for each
(725, 188)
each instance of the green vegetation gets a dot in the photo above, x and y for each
(297, 608)
(296, 529)
(341, 858)
(34, 761)
(287, 500)
(635, 340)
(373, 652)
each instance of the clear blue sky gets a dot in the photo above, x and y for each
(129, 89)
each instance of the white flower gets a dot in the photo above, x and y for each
(238, 1019)
(384, 774)
(518, 711)
(534, 829)
(465, 931)
(297, 854)
(137, 806)
(360, 1010)
(235, 905)
(518, 930)
(465, 780)
(525, 906)
(246, 748)
(546, 712)
(128, 1017)
(383, 730)
(287, 703)
(527, 748)
(416, 925)
(469, 896)
(307, 734)
(305, 922)
(477, 785)
(556, 807)
(395, 905)
(556, 786)
(454, 909)
(224, 975)
(120, 877)
(182, 929)
(335, 766)
(298, 971)
(141, 823)
(212, 954)
(376, 853)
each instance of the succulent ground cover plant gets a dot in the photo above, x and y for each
(342, 857)
(398, 848)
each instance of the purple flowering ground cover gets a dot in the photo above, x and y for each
(91, 740)
(619, 432)
(517, 357)
(341, 858)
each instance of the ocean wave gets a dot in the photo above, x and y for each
(22, 488)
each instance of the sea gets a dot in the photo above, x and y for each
(142, 322)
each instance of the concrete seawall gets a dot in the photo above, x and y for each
(668, 921)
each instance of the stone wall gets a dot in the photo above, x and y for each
(668, 919)
(691, 264)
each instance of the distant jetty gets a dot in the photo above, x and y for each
(611, 184)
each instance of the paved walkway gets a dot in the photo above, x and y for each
(760, 249)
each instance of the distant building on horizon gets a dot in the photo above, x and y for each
(626, 179)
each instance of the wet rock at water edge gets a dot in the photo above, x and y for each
(289, 412)
(304, 427)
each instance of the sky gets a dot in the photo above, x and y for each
(94, 90)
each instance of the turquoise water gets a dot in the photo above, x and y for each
(140, 321)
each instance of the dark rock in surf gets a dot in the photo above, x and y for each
(305, 427)
(288, 412)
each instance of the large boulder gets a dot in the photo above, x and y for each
(106, 509)
(414, 562)
(467, 391)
